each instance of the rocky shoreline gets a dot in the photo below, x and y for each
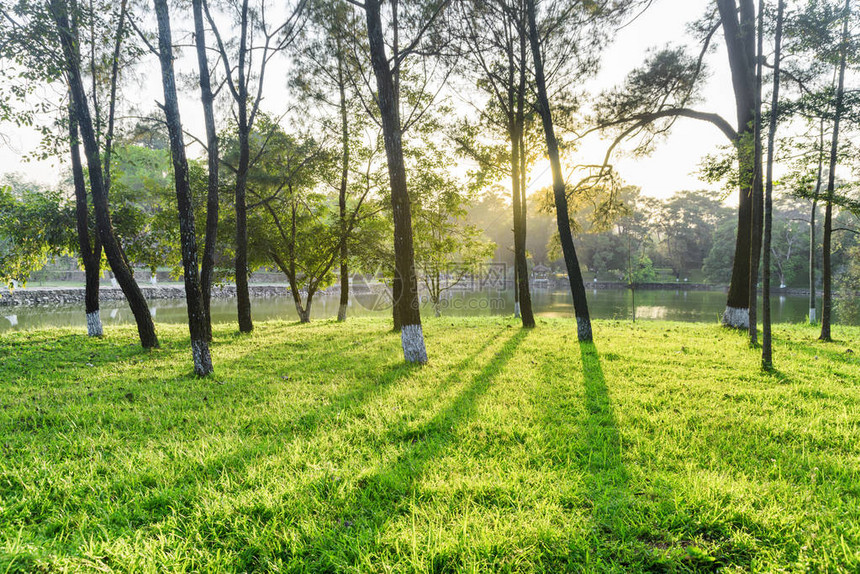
(30, 297)
(67, 295)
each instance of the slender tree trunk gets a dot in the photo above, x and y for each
(812, 246)
(188, 237)
(826, 265)
(574, 274)
(767, 343)
(90, 254)
(740, 43)
(826, 272)
(243, 297)
(308, 308)
(208, 264)
(523, 299)
(344, 180)
(122, 272)
(813, 213)
(436, 293)
(518, 182)
(517, 314)
(408, 311)
(92, 273)
(757, 187)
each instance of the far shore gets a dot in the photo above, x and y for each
(58, 294)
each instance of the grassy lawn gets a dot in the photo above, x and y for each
(315, 449)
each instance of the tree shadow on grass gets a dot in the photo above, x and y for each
(608, 479)
(148, 499)
(815, 348)
(383, 496)
(630, 531)
(583, 436)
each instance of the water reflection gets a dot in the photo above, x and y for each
(672, 305)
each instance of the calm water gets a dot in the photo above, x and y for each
(672, 305)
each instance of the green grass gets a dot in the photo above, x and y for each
(314, 448)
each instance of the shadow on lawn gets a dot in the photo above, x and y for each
(385, 495)
(147, 505)
(608, 480)
(815, 348)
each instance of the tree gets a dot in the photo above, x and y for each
(34, 225)
(847, 305)
(577, 289)
(237, 77)
(789, 245)
(294, 224)
(66, 30)
(387, 73)
(495, 33)
(104, 39)
(327, 75)
(838, 111)
(89, 243)
(805, 180)
(188, 239)
(664, 89)
(819, 50)
(687, 221)
(207, 267)
(447, 249)
(767, 344)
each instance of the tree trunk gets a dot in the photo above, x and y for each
(207, 266)
(304, 313)
(124, 276)
(187, 234)
(90, 254)
(344, 180)
(396, 290)
(740, 43)
(767, 343)
(812, 247)
(521, 274)
(407, 304)
(344, 283)
(826, 272)
(516, 291)
(518, 183)
(243, 297)
(826, 266)
(758, 195)
(574, 274)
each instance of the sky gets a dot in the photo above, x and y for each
(672, 167)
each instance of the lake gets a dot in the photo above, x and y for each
(668, 304)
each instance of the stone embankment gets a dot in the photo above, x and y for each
(59, 296)
(66, 295)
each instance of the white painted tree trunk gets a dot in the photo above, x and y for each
(583, 329)
(202, 358)
(736, 318)
(94, 324)
(341, 313)
(812, 315)
(517, 310)
(412, 339)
